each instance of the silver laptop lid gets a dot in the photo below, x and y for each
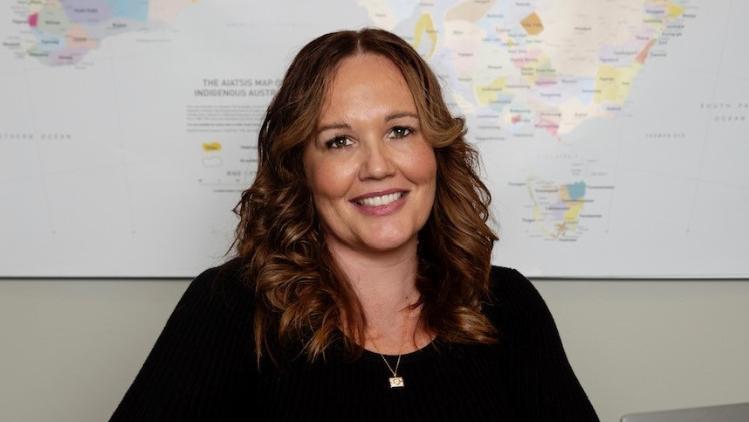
(724, 413)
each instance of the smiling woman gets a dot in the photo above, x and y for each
(375, 191)
(362, 287)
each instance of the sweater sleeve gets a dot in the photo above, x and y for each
(201, 366)
(546, 387)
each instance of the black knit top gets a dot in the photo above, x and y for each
(203, 367)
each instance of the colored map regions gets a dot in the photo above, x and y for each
(556, 208)
(63, 32)
(536, 66)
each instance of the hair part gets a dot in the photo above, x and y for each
(303, 301)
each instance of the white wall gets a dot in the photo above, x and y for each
(639, 345)
(69, 349)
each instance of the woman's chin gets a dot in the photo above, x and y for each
(387, 244)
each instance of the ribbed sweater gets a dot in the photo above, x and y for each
(203, 368)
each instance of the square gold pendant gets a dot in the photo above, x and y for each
(396, 382)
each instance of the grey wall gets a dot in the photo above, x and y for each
(69, 349)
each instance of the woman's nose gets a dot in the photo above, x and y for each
(377, 162)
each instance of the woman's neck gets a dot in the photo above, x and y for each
(385, 284)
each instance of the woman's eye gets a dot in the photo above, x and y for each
(338, 142)
(400, 132)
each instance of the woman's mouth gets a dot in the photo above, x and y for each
(377, 201)
(382, 204)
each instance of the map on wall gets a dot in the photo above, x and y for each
(612, 134)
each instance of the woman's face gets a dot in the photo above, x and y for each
(371, 172)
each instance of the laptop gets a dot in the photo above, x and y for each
(725, 413)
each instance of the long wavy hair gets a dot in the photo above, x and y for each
(303, 301)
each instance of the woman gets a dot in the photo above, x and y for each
(362, 288)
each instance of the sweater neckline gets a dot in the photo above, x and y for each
(424, 350)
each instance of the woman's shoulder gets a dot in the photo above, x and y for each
(221, 289)
(202, 359)
(228, 271)
(539, 365)
(514, 300)
(509, 283)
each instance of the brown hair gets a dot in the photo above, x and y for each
(302, 300)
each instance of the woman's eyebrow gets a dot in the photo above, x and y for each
(333, 126)
(391, 116)
(399, 114)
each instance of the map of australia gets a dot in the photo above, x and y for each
(609, 132)
(537, 71)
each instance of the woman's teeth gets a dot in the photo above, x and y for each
(377, 201)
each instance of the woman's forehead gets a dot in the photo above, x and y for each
(364, 81)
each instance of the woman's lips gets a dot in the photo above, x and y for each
(381, 210)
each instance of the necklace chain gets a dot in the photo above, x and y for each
(392, 371)
(395, 380)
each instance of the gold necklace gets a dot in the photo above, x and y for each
(395, 380)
